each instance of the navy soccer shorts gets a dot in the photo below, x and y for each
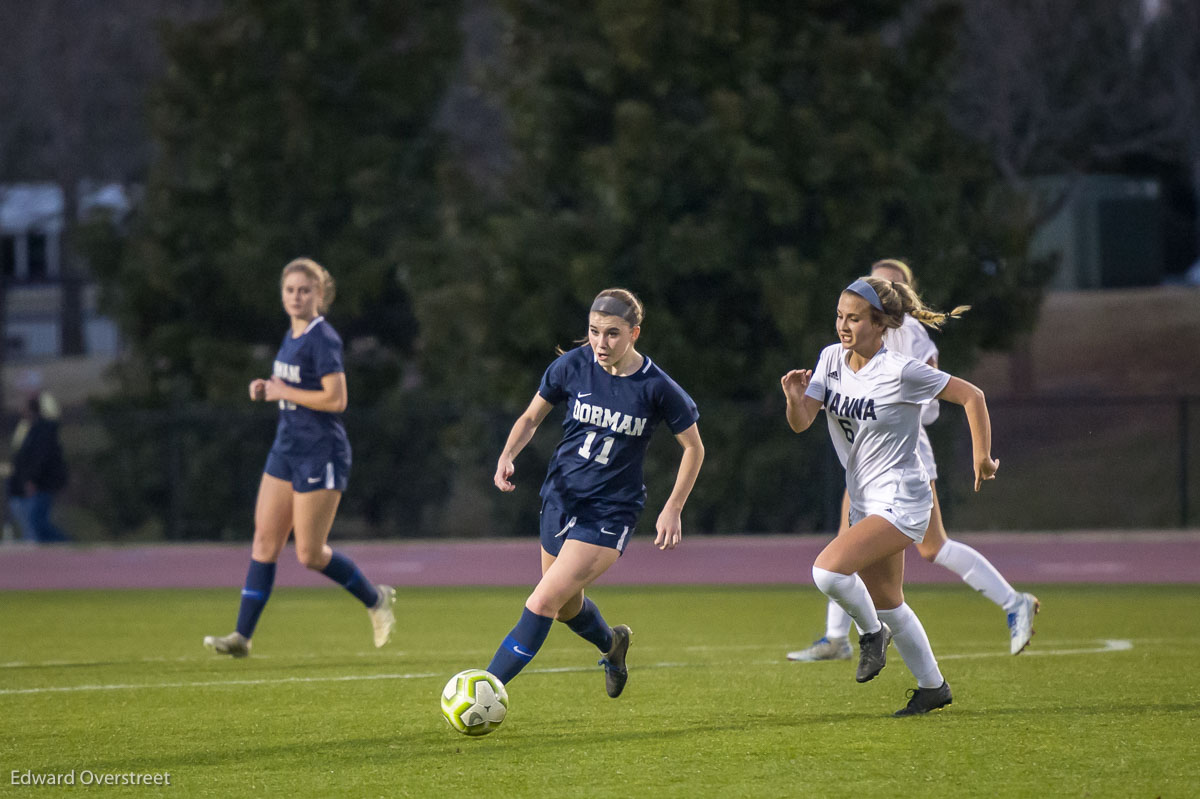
(310, 472)
(557, 526)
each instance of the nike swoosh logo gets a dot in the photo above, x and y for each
(605, 532)
(522, 652)
(314, 479)
(581, 396)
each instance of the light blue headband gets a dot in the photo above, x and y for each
(863, 289)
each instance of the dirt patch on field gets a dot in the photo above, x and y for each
(1111, 342)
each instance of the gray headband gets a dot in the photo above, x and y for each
(615, 307)
(863, 289)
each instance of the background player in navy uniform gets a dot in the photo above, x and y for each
(593, 492)
(977, 571)
(309, 463)
(872, 399)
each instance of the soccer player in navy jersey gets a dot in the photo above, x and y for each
(872, 398)
(593, 491)
(308, 466)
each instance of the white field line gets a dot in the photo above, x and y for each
(1112, 645)
(210, 683)
(210, 658)
(393, 654)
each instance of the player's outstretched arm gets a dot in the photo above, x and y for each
(971, 398)
(520, 435)
(669, 525)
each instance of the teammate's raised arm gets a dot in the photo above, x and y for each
(522, 431)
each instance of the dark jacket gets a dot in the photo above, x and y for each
(39, 460)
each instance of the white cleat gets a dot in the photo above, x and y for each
(823, 649)
(383, 619)
(1020, 621)
(235, 644)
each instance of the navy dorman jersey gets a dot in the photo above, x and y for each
(302, 362)
(596, 472)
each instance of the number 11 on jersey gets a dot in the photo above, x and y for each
(602, 456)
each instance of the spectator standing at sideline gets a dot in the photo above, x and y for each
(39, 470)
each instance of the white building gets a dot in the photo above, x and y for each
(31, 228)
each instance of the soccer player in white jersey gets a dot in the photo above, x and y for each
(593, 493)
(308, 467)
(912, 340)
(872, 399)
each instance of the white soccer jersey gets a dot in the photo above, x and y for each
(912, 339)
(874, 418)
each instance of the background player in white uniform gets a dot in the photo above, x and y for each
(872, 398)
(593, 491)
(308, 467)
(912, 340)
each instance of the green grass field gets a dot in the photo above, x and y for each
(1105, 703)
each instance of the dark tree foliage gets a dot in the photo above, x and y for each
(735, 164)
(281, 128)
(1086, 86)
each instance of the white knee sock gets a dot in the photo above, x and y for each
(849, 591)
(913, 645)
(837, 622)
(976, 572)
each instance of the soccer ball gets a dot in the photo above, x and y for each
(474, 702)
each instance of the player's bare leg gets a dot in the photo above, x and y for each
(563, 582)
(979, 573)
(834, 644)
(272, 526)
(314, 512)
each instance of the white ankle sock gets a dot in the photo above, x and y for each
(976, 572)
(913, 645)
(849, 591)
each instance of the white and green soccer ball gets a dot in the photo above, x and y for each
(474, 702)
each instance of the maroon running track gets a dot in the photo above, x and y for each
(1100, 557)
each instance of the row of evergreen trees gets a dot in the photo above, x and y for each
(734, 162)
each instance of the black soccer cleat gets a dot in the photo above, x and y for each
(923, 700)
(872, 653)
(615, 673)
